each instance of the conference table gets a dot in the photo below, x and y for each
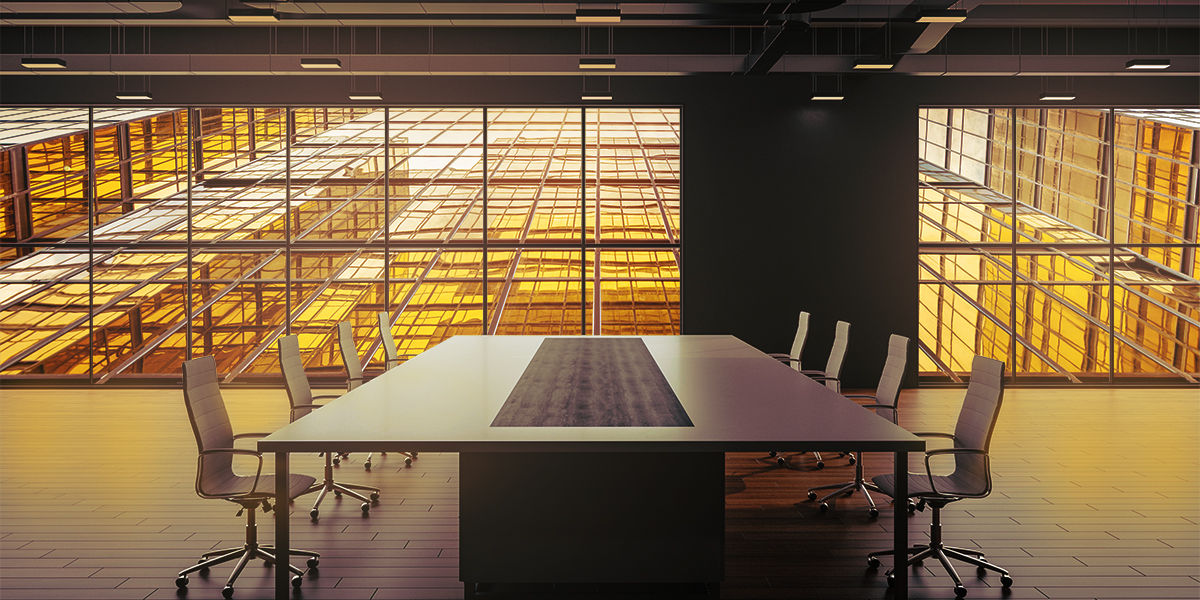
(591, 459)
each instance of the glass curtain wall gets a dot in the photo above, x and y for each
(131, 240)
(1061, 241)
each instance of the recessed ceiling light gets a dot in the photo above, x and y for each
(134, 96)
(597, 15)
(43, 63)
(366, 97)
(942, 16)
(1148, 64)
(320, 63)
(597, 63)
(830, 97)
(874, 64)
(596, 97)
(252, 15)
(1056, 97)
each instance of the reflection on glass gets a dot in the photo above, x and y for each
(299, 218)
(1101, 202)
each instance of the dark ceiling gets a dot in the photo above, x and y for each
(380, 37)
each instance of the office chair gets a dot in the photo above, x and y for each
(216, 478)
(354, 374)
(886, 401)
(301, 399)
(792, 359)
(972, 477)
(829, 376)
(391, 355)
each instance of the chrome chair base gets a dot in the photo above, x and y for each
(848, 488)
(329, 485)
(943, 553)
(243, 555)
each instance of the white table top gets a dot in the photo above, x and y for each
(445, 399)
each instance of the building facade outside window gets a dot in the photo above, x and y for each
(1061, 241)
(131, 240)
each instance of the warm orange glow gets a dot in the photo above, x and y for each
(298, 223)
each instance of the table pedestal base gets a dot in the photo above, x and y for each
(592, 517)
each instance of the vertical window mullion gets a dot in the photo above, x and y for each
(190, 112)
(89, 197)
(484, 129)
(1012, 271)
(289, 127)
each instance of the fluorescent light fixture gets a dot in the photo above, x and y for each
(597, 96)
(134, 96)
(597, 15)
(366, 97)
(828, 97)
(942, 16)
(43, 63)
(597, 63)
(320, 63)
(1143, 64)
(874, 64)
(1056, 97)
(252, 15)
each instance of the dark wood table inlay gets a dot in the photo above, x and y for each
(596, 382)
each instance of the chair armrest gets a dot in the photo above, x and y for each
(934, 434)
(780, 356)
(325, 397)
(307, 406)
(238, 436)
(200, 469)
(889, 406)
(864, 397)
(986, 461)
(811, 372)
(822, 378)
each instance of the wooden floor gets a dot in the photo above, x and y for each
(1097, 495)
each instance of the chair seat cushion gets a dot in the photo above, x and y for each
(239, 484)
(918, 485)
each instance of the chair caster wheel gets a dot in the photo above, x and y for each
(367, 466)
(414, 456)
(1006, 581)
(960, 590)
(873, 512)
(824, 507)
(852, 459)
(772, 453)
(314, 514)
(337, 462)
(181, 582)
(337, 493)
(891, 579)
(366, 508)
(781, 460)
(408, 461)
(227, 591)
(912, 508)
(820, 464)
(872, 562)
(296, 581)
(812, 495)
(313, 562)
(374, 496)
